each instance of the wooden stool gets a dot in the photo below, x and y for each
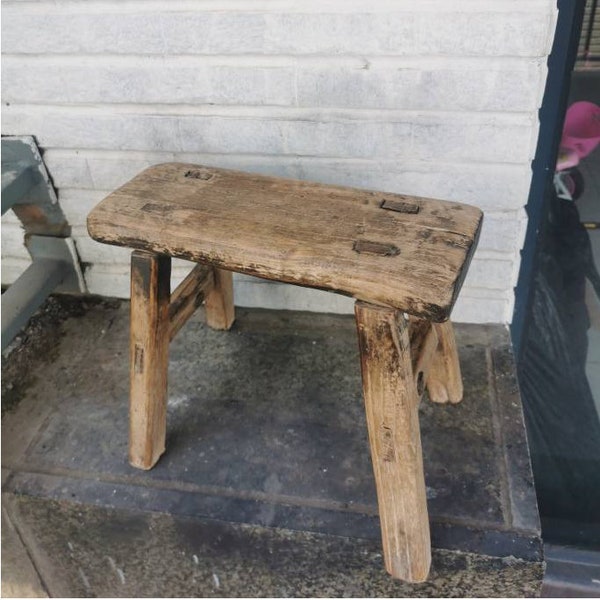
(396, 255)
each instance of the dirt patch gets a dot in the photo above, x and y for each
(38, 343)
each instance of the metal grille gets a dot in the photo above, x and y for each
(588, 53)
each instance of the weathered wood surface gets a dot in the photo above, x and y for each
(149, 357)
(391, 403)
(399, 251)
(220, 311)
(188, 296)
(423, 344)
(444, 382)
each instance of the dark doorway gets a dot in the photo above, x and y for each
(556, 326)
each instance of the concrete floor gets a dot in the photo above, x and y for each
(266, 488)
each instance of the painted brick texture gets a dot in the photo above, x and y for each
(437, 98)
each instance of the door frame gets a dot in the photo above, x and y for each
(561, 62)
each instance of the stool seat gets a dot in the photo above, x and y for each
(392, 250)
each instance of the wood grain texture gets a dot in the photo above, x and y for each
(399, 251)
(444, 382)
(220, 310)
(391, 404)
(188, 296)
(149, 357)
(423, 344)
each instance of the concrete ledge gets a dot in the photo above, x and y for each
(267, 469)
(105, 552)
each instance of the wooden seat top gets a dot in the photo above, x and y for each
(400, 251)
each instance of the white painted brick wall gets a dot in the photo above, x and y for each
(494, 85)
(437, 98)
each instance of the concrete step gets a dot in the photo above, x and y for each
(266, 488)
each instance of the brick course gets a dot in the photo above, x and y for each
(438, 99)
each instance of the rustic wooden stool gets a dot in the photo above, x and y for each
(402, 258)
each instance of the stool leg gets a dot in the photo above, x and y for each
(220, 311)
(391, 404)
(149, 357)
(444, 382)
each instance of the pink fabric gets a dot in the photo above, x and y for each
(581, 132)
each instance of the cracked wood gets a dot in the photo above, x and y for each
(298, 232)
(149, 357)
(392, 409)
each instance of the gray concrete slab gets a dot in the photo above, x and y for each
(105, 552)
(5, 475)
(266, 430)
(20, 578)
